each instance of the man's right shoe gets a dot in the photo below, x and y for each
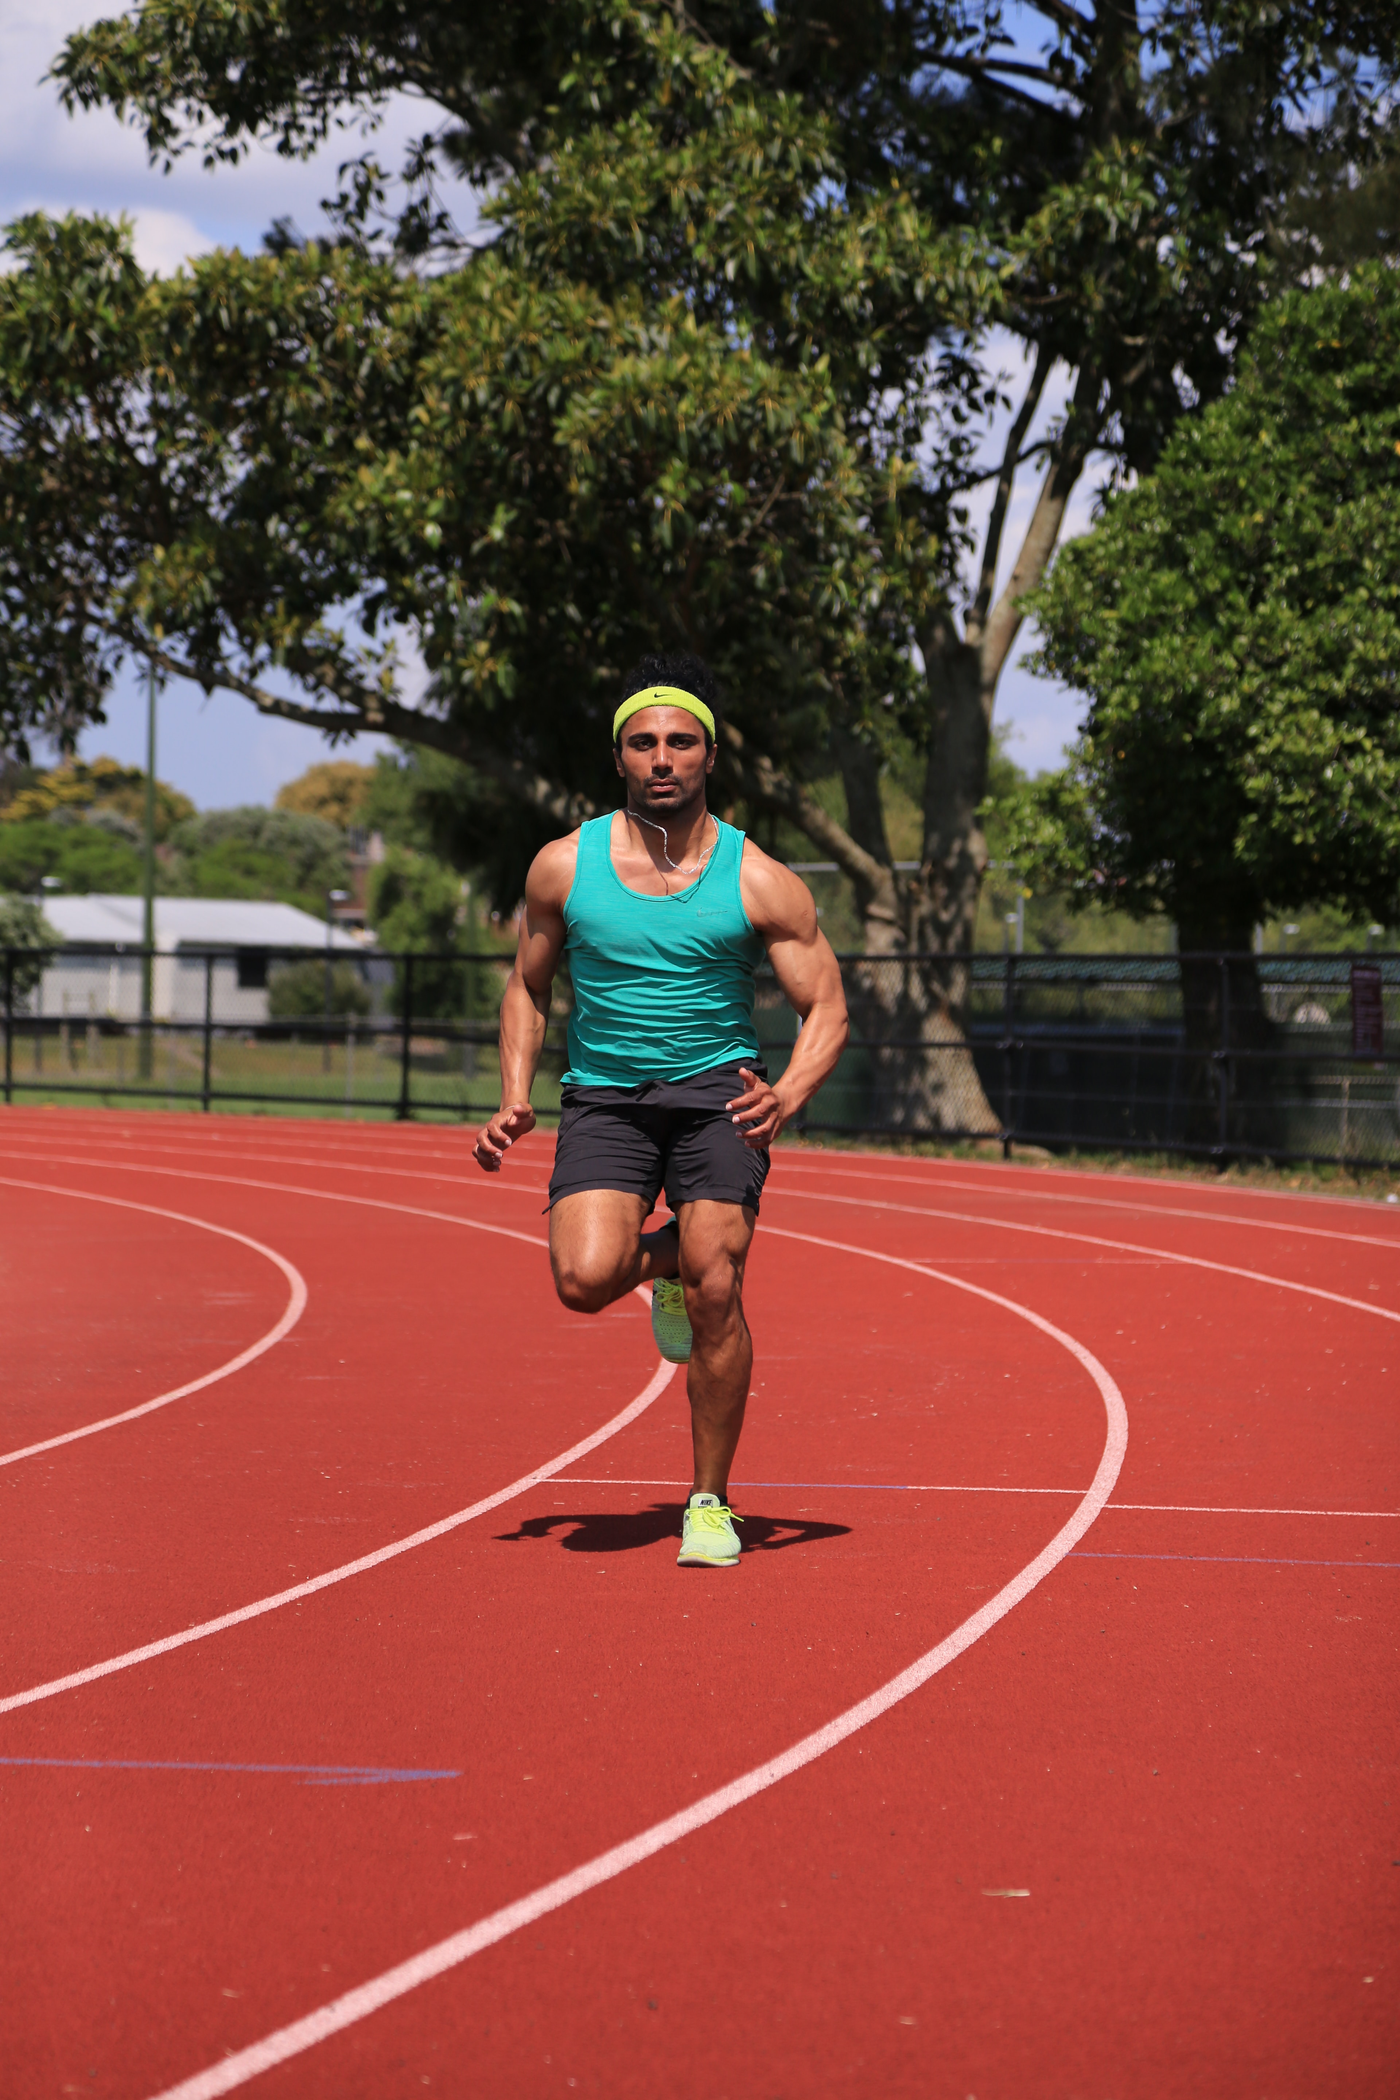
(670, 1323)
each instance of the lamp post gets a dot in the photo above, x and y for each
(333, 897)
(48, 884)
(145, 1059)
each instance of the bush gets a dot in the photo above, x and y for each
(297, 991)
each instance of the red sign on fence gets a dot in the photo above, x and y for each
(1367, 1016)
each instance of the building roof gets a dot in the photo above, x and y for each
(192, 922)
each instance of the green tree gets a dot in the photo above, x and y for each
(255, 852)
(1235, 622)
(82, 856)
(436, 805)
(26, 942)
(415, 906)
(99, 790)
(336, 789)
(714, 379)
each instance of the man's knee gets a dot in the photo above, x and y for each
(583, 1287)
(713, 1291)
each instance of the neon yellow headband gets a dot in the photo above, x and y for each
(664, 696)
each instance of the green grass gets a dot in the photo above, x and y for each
(103, 1071)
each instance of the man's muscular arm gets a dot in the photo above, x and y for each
(782, 913)
(525, 1004)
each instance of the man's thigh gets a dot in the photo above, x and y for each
(706, 1158)
(594, 1234)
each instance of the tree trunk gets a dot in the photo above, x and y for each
(1228, 1099)
(908, 1012)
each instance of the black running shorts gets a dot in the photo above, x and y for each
(677, 1135)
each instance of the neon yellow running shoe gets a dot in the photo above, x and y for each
(708, 1537)
(670, 1322)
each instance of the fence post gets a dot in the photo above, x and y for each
(404, 1111)
(9, 1026)
(208, 1030)
(1224, 1055)
(1008, 1010)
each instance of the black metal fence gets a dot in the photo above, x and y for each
(1284, 1057)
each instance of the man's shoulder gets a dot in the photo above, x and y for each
(777, 901)
(551, 873)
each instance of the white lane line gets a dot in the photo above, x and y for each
(656, 1384)
(292, 1312)
(932, 1183)
(1087, 1239)
(914, 1210)
(838, 1486)
(291, 1188)
(1224, 1509)
(507, 1183)
(355, 2005)
(924, 1487)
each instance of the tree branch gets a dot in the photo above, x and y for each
(971, 70)
(976, 67)
(1068, 18)
(1006, 482)
(391, 718)
(1066, 465)
(757, 776)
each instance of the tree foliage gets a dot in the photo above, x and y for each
(336, 789)
(256, 852)
(710, 375)
(27, 940)
(1235, 621)
(95, 790)
(80, 857)
(416, 904)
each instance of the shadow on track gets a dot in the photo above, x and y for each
(614, 1531)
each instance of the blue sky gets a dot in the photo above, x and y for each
(219, 751)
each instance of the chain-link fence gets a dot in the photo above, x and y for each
(1264, 1056)
(1284, 1057)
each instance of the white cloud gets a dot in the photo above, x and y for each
(91, 162)
(165, 239)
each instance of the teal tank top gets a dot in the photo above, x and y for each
(663, 986)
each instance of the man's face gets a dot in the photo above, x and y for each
(664, 759)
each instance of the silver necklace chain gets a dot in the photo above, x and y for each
(679, 867)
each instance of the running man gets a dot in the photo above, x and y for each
(664, 912)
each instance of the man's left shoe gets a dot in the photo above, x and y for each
(708, 1537)
(670, 1322)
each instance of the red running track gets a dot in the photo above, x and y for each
(514, 1810)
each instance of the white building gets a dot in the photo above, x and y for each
(100, 976)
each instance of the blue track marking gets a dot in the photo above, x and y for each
(1244, 1560)
(894, 1487)
(309, 1775)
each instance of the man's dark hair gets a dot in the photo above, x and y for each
(691, 673)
